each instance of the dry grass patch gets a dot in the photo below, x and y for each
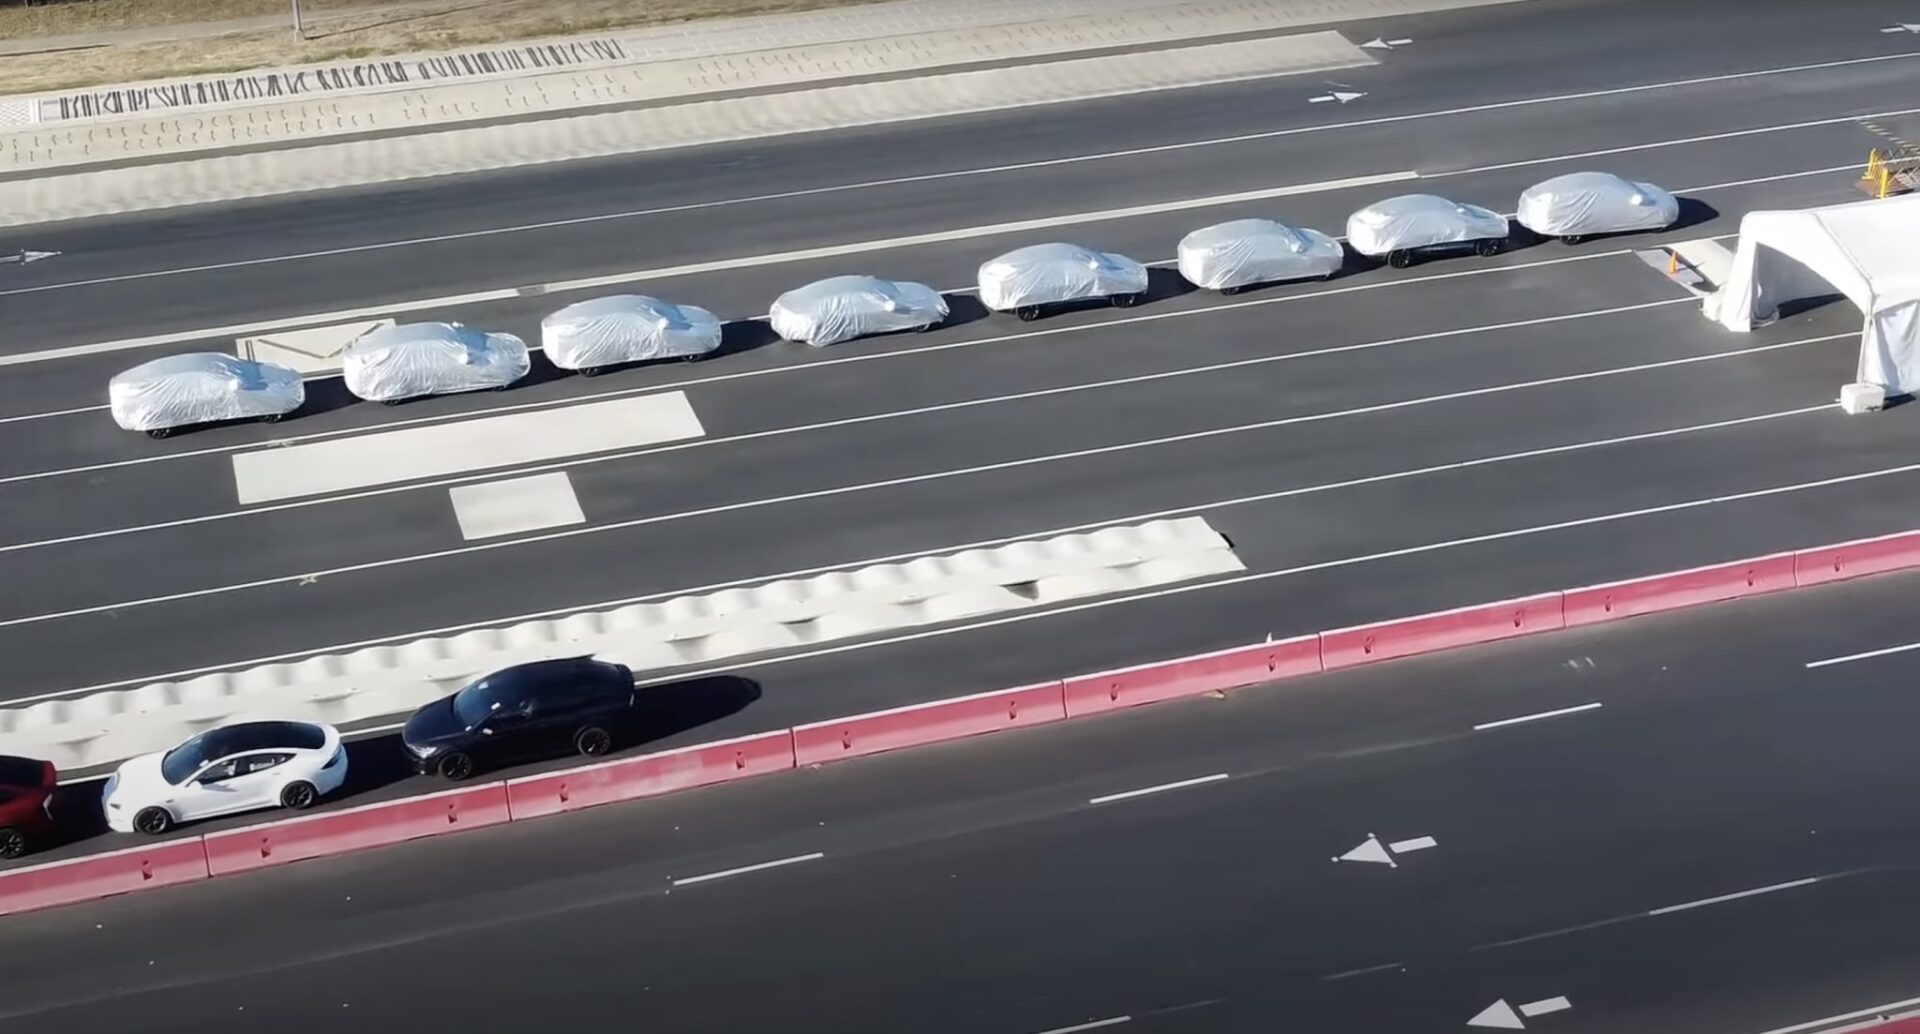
(337, 29)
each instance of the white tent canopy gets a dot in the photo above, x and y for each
(1868, 251)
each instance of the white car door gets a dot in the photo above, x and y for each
(241, 783)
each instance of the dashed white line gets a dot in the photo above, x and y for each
(1112, 1021)
(1558, 1003)
(1162, 788)
(1755, 892)
(1888, 651)
(722, 874)
(1536, 717)
(981, 544)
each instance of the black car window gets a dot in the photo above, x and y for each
(220, 771)
(261, 762)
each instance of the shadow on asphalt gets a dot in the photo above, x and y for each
(379, 769)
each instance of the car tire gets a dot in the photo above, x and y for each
(13, 843)
(1128, 301)
(273, 418)
(1028, 313)
(500, 387)
(152, 821)
(585, 371)
(593, 741)
(695, 357)
(159, 432)
(391, 402)
(1400, 259)
(298, 795)
(1234, 289)
(456, 767)
(1487, 248)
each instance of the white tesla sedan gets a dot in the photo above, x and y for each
(841, 308)
(408, 360)
(1028, 281)
(1580, 205)
(201, 388)
(246, 766)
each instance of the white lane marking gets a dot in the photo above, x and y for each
(1162, 788)
(980, 171)
(1370, 851)
(1683, 141)
(1415, 844)
(353, 469)
(176, 676)
(516, 506)
(1499, 1016)
(1535, 717)
(52, 413)
(1873, 1012)
(840, 490)
(1078, 328)
(1755, 892)
(1112, 1021)
(453, 301)
(1364, 970)
(481, 443)
(685, 880)
(1544, 1006)
(961, 233)
(1867, 656)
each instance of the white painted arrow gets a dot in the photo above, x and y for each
(1377, 43)
(24, 257)
(1902, 27)
(1342, 96)
(1370, 850)
(1504, 1017)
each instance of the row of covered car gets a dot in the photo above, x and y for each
(577, 705)
(398, 362)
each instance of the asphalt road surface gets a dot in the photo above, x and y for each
(1390, 442)
(1673, 824)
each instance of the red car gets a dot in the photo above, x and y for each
(26, 793)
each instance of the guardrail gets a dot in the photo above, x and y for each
(528, 797)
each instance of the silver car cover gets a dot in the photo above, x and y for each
(627, 328)
(841, 308)
(1048, 274)
(1256, 251)
(202, 388)
(412, 359)
(1420, 221)
(1584, 203)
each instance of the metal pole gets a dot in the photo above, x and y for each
(299, 27)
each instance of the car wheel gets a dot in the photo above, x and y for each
(391, 402)
(13, 843)
(273, 418)
(1487, 247)
(298, 795)
(1233, 289)
(500, 387)
(593, 741)
(1028, 313)
(1324, 277)
(1129, 300)
(1574, 238)
(153, 821)
(456, 766)
(584, 371)
(159, 432)
(1400, 259)
(694, 357)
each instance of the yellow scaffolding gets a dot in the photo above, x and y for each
(1889, 173)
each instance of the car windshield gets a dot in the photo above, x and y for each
(183, 761)
(473, 704)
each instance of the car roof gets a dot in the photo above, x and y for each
(534, 676)
(242, 737)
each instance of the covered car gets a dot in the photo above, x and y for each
(1233, 256)
(201, 388)
(1027, 280)
(1401, 229)
(841, 308)
(627, 328)
(408, 360)
(1581, 204)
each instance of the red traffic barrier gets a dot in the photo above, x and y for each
(103, 875)
(952, 719)
(338, 832)
(1853, 559)
(669, 770)
(1679, 589)
(1363, 644)
(1189, 676)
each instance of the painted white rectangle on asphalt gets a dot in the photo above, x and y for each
(1416, 844)
(494, 508)
(485, 443)
(1545, 1006)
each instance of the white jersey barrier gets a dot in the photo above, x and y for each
(386, 681)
